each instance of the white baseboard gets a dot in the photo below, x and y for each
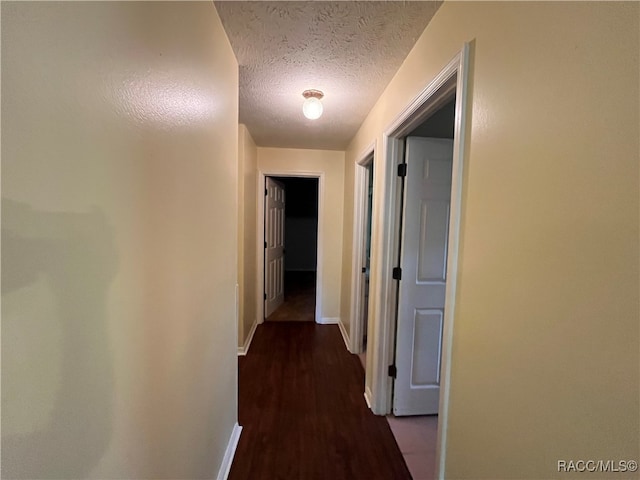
(367, 396)
(345, 336)
(328, 320)
(227, 460)
(247, 343)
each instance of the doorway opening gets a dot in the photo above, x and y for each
(291, 248)
(366, 269)
(423, 233)
(425, 178)
(363, 219)
(383, 382)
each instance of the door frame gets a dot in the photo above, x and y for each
(360, 193)
(454, 77)
(262, 175)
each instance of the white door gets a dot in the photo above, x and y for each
(274, 246)
(427, 200)
(366, 255)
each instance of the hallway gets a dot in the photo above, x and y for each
(303, 413)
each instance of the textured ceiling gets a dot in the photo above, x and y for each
(349, 50)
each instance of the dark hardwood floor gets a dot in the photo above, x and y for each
(303, 413)
(299, 298)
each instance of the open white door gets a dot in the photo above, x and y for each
(366, 259)
(427, 201)
(274, 246)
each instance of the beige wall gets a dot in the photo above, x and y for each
(119, 153)
(545, 361)
(331, 164)
(247, 266)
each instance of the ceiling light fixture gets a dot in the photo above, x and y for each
(312, 106)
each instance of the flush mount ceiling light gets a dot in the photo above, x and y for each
(312, 106)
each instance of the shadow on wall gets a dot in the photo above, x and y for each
(57, 378)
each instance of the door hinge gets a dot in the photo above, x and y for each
(397, 273)
(265, 296)
(364, 269)
(265, 244)
(402, 169)
(392, 371)
(266, 192)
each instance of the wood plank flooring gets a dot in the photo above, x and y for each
(299, 298)
(303, 413)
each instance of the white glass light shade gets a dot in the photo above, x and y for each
(312, 108)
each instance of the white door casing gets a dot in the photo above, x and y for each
(427, 200)
(274, 245)
(261, 201)
(378, 384)
(360, 190)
